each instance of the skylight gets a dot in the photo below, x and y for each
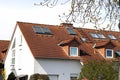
(111, 36)
(94, 35)
(71, 31)
(41, 30)
(101, 36)
(83, 39)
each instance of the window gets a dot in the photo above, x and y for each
(111, 36)
(20, 40)
(41, 30)
(13, 45)
(94, 35)
(71, 31)
(73, 51)
(101, 36)
(83, 39)
(109, 53)
(13, 57)
(73, 76)
(53, 77)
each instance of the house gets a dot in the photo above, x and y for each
(3, 49)
(58, 50)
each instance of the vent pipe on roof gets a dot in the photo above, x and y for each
(67, 25)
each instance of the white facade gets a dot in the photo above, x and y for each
(24, 63)
(24, 60)
(62, 69)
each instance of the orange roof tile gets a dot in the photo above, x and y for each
(46, 46)
(3, 48)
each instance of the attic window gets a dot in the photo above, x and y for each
(73, 51)
(111, 36)
(71, 31)
(109, 53)
(83, 39)
(101, 36)
(41, 30)
(94, 35)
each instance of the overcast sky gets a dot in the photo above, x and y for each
(25, 11)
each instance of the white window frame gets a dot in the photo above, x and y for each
(111, 53)
(76, 54)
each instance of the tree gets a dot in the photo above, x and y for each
(39, 77)
(11, 76)
(99, 70)
(96, 12)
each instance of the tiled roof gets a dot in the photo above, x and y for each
(65, 42)
(3, 48)
(48, 45)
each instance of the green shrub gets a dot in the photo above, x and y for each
(11, 76)
(39, 77)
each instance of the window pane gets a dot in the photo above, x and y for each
(47, 30)
(13, 60)
(71, 31)
(94, 35)
(37, 30)
(101, 36)
(109, 53)
(111, 36)
(73, 51)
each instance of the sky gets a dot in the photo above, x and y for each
(26, 11)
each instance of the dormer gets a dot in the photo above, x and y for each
(106, 49)
(70, 46)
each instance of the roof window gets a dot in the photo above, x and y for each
(94, 35)
(101, 36)
(83, 39)
(111, 36)
(71, 31)
(41, 30)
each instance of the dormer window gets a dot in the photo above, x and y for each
(73, 51)
(109, 53)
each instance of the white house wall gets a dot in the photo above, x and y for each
(24, 61)
(62, 68)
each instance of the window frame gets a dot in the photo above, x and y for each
(75, 54)
(111, 53)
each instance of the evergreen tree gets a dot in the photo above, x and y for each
(99, 70)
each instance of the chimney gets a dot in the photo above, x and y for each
(70, 25)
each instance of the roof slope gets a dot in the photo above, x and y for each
(47, 46)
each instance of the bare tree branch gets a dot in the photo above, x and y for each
(96, 12)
